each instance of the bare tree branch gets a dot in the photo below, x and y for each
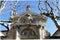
(39, 6)
(49, 5)
(52, 16)
(6, 26)
(46, 8)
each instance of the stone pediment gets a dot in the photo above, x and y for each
(28, 18)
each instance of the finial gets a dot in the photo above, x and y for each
(28, 8)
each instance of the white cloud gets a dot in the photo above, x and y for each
(1, 34)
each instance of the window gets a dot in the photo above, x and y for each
(27, 32)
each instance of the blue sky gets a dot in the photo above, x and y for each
(50, 26)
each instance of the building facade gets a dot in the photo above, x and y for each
(27, 25)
